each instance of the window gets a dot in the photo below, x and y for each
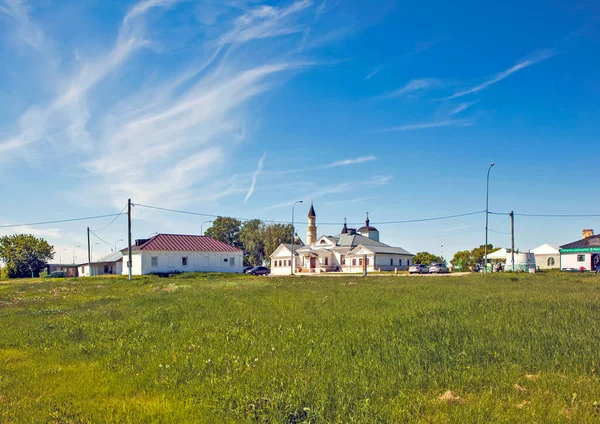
(232, 261)
(154, 261)
(392, 261)
(580, 258)
(342, 260)
(353, 261)
(360, 261)
(408, 262)
(106, 269)
(184, 261)
(551, 262)
(225, 259)
(368, 260)
(326, 261)
(400, 262)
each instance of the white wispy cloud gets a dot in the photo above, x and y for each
(327, 190)
(166, 140)
(353, 161)
(414, 86)
(346, 201)
(434, 124)
(255, 176)
(26, 29)
(36, 231)
(461, 107)
(374, 72)
(539, 57)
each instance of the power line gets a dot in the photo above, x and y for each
(558, 215)
(429, 219)
(87, 218)
(320, 223)
(100, 238)
(113, 221)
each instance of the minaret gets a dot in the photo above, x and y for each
(311, 230)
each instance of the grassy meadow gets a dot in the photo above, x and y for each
(215, 348)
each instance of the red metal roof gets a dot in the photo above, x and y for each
(185, 243)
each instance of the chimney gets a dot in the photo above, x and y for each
(139, 242)
(587, 233)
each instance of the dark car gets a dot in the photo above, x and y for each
(55, 274)
(246, 269)
(259, 270)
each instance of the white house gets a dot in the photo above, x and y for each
(582, 254)
(169, 253)
(349, 251)
(547, 256)
(110, 264)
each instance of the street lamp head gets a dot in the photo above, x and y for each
(492, 164)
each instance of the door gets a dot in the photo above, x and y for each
(313, 263)
(595, 261)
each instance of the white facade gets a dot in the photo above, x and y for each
(157, 262)
(547, 256)
(101, 268)
(576, 261)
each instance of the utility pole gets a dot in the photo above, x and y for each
(129, 238)
(487, 213)
(89, 253)
(512, 239)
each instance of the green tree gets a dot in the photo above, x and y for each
(426, 258)
(275, 234)
(478, 253)
(227, 230)
(24, 255)
(465, 256)
(252, 236)
(472, 257)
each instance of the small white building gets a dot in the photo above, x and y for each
(110, 264)
(171, 253)
(350, 251)
(583, 254)
(547, 256)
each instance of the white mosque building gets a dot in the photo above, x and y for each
(350, 251)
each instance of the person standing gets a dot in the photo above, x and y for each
(597, 265)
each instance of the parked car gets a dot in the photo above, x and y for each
(438, 269)
(55, 274)
(259, 270)
(246, 269)
(418, 269)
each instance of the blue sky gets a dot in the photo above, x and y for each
(242, 107)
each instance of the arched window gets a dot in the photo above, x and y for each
(551, 261)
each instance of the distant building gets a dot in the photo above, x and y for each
(70, 270)
(547, 256)
(169, 253)
(109, 264)
(344, 252)
(581, 254)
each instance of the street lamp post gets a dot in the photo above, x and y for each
(116, 244)
(487, 213)
(202, 227)
(60, 256)
(293, 238)
(74, 254)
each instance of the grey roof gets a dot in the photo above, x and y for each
(350, 241)
(113, 257)
(389, 249)
(593, 241)
(289, 246)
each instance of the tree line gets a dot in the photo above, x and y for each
(257, 239)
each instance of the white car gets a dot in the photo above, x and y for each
(418, 269)
(438, 269)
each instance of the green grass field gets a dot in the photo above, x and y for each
(210, 348)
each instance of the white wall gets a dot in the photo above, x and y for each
(197, 262)
(569, 260)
